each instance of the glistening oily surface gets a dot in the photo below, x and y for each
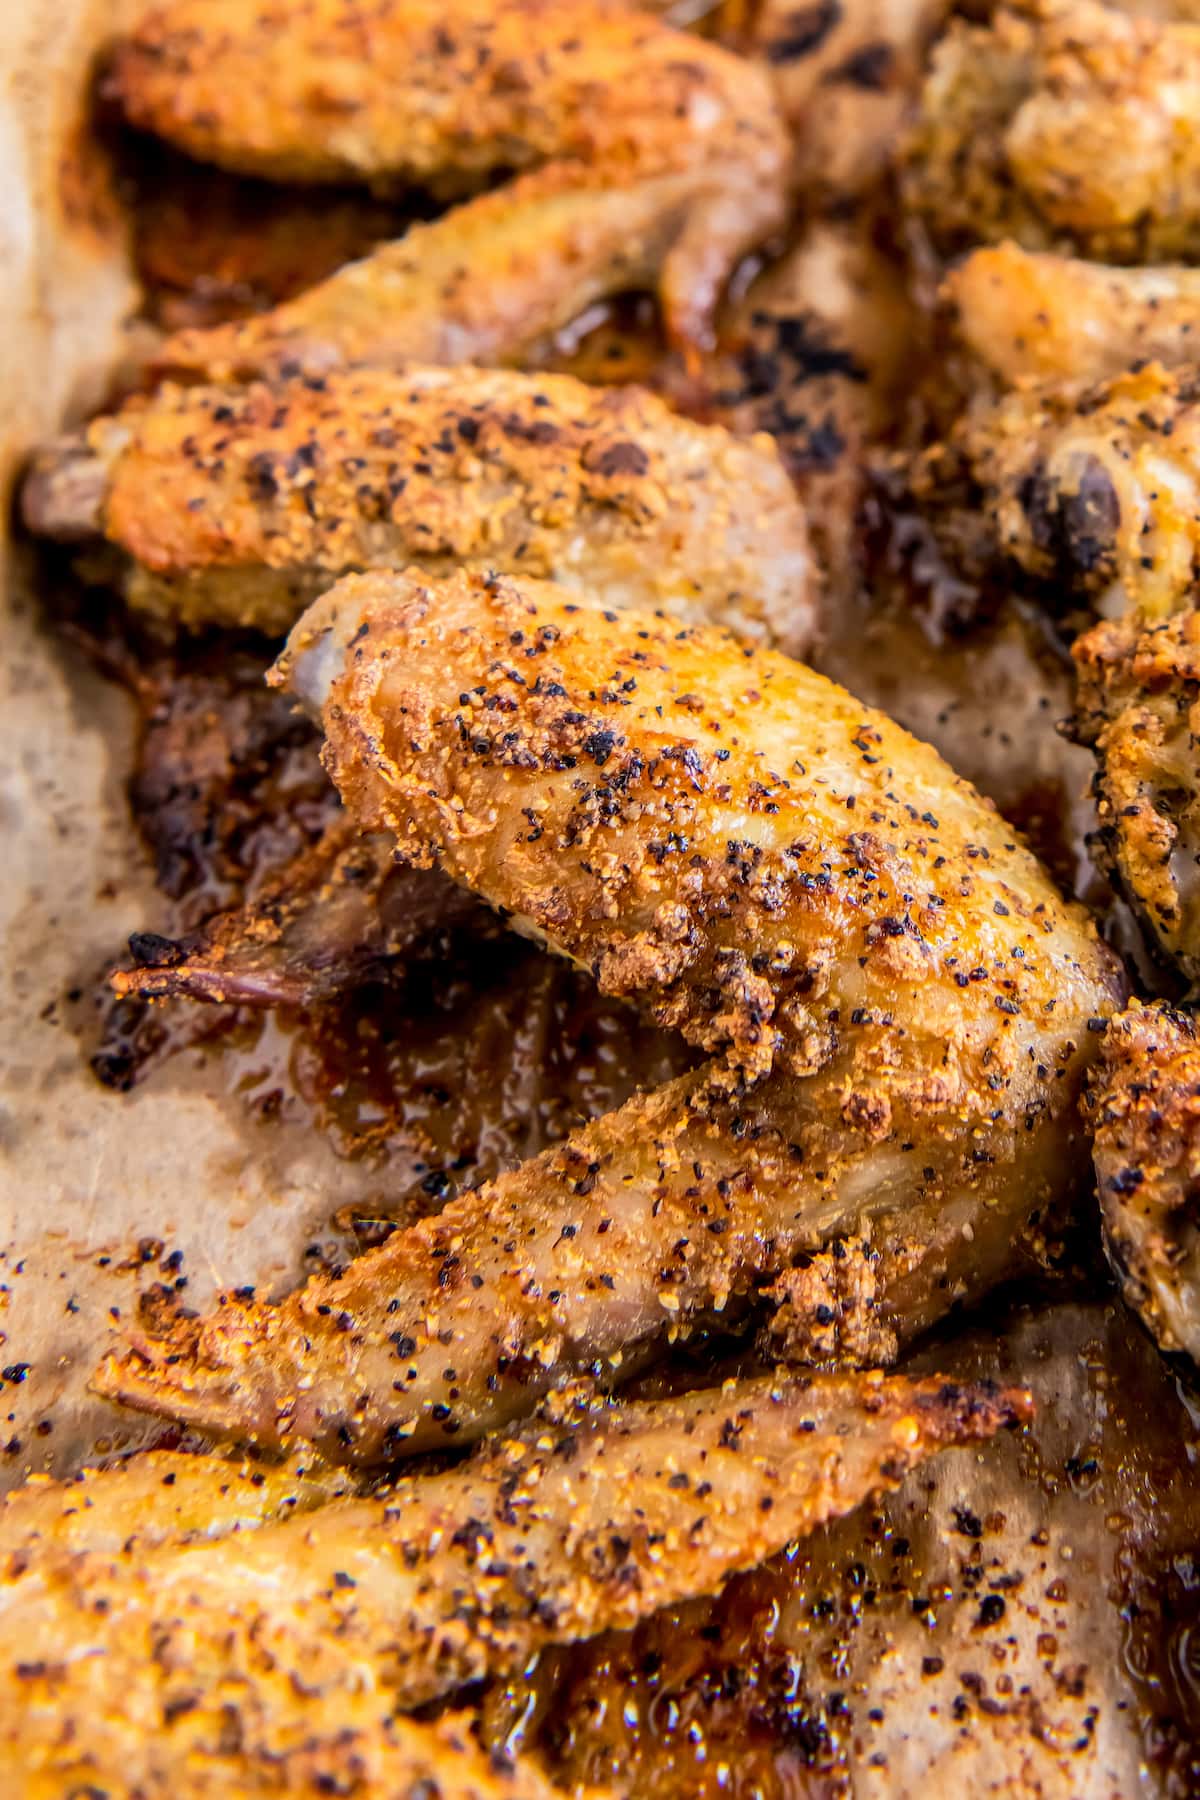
(84, 1174)
(1039, 1635)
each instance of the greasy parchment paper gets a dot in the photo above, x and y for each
(1039, 1702)
(86, 1173)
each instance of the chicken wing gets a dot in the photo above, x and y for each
(1145, 1105)
(412, 93)
(847, 73)
(759, 861)
(593, 1517)
(1036, 316)
(1138, 705)
(1071, 126)
(818, 354)
(643, 155)
(158, 1497)
(338, 916)
(1094, 492)
(238, 506)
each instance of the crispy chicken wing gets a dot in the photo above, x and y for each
(761, 862)
(237, 506)
(1072, 126)
(648, 156)
(1145, 1105)
(158, 1497)
(818, 354)
(411, 93)
(592, 1517)
(1138, 705)
(1094, 492)
(1030, 315)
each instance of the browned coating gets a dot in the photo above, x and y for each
(592, 1517)
(1145, 1106)
(714, 830)
(1067, 125)
(901, 1006)
(1093, 491)
(412, 94)
(238, 506)
(1139, 707)
(645, 156)
(1030, 315)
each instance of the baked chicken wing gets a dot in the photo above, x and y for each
(1068, 126)
(593, 1517)
(1036, 316)
(236, 506)
(1138, 705)
(159, 1497)
(642, 155)
(1093, 492)
(1145, 1105)
(898, 1003)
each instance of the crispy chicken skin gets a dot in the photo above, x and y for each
(1036, 316)
(591, 1518)
(1069, 127)
(1145, 1107)
(492, 281)
(237, 506)
(644, 155)
(713, 830)
(411, 93)
(1094, 492)
(161, 1496)
(1138, 704)
(759, 861)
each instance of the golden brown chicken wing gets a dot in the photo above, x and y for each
(1138, 705)
(1036, 316)
(732, 842)
(159, 1497)
(1068, 126)
(593, 1517)
(237, 506)
(1145, 1105)
(643, 155)
(1094, 492)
